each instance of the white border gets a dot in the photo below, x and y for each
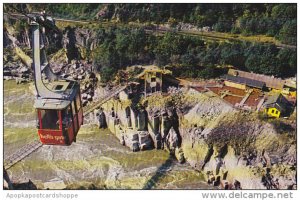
(130, 194)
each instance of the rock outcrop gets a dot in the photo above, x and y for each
(235, 145)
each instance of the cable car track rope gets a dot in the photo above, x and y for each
(22, 153)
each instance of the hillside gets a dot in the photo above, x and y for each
(114, 41)
(276, 20)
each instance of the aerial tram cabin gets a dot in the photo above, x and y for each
(59, 120)
(58, 102)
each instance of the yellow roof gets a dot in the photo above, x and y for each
(291, 84)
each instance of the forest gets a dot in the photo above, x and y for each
(276, 20)
(186, 55)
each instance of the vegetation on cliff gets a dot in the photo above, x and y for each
(188, 56)
(278, 20)
(192, 56)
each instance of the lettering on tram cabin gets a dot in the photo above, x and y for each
(51, 137)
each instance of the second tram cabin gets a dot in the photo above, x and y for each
(59, 120)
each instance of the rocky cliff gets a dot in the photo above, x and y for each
(238, 145)
(228, 145)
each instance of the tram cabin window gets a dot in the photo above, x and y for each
(73, 108)
(49, 119)
(78, 106)
(66, 117)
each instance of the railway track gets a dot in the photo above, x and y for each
(21, 153)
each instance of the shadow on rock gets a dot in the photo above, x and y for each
(160, 173)
(23, 186)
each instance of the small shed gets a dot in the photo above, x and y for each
(153, 79)
(276, 105)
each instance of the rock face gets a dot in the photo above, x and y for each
(17, 65)
(232, 145)
(102, 119)
(136, 136)
(138, 130)
(64, 47)
(18, 71)
(6, 40)
(69, 43)
(65, 54)
(234, 148)
(86, 38)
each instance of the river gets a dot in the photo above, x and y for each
(96, 161)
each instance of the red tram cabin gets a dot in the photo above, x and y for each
(59, 120)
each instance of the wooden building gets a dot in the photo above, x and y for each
(271, 82)
(152, 77)
(241, 82)
(276, 105)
